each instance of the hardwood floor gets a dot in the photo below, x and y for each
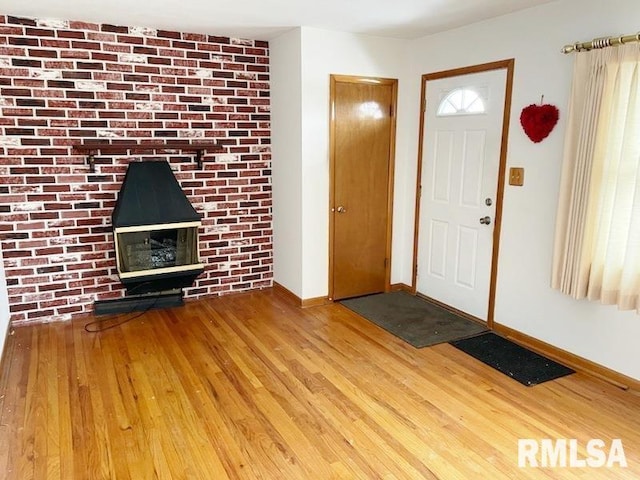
(252, 387)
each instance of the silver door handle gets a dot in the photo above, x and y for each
(485, 220)
(341, 209)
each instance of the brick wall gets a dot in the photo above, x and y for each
(62, 82)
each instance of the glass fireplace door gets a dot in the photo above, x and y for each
(153, 249)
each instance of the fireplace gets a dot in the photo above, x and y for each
(155, 231)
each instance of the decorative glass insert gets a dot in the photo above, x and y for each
(461, 101)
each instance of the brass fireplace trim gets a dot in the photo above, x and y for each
(160, 271)
(161, 226)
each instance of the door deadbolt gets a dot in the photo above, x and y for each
(485, 220)
(488, 202)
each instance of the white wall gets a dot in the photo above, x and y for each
(524, 299)
(302, 61)
(4, 307)
(324, 53)
(286, 135)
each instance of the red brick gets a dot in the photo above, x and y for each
(70, 34)
(84, 26)
(157, 42)
(82, 45)
(76, 54)
(78, 203)
(101, 37)
(111, 47)
(33, 52)
(21, 307)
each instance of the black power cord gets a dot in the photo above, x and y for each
(100, 321)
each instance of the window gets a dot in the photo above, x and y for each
(461, 101)
(597, 249)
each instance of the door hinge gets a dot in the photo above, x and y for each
(391, 110)
(386, 261)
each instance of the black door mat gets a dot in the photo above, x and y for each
(517, 362)
(413, 319)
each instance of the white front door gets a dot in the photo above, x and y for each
(460, 165)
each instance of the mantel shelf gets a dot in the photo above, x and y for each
(96, 147)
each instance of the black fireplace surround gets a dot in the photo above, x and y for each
(155, 231)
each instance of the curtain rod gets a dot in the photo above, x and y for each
(601, 42)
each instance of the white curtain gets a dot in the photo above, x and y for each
(597, 247)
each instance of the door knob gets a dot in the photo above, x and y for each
(341, 209)
(485, 220)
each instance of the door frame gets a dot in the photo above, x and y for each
(485, 67)
(334, 79)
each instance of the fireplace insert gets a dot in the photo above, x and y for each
(155, 231)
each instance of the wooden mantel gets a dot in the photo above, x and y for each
(93, 147)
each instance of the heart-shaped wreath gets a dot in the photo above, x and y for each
(538, 121)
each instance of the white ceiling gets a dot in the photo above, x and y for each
(266, 19)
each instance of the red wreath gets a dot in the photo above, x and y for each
(539, 120)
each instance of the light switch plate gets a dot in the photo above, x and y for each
(516, 176)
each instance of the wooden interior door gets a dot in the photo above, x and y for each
(362, 150)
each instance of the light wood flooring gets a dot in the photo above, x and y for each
(251, 387)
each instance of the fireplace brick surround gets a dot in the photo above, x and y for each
(64, 82)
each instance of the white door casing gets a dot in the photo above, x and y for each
(459, 183)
